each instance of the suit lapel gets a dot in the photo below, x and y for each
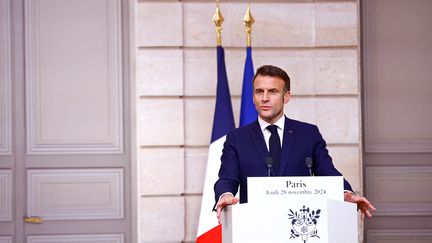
(258, 141)
(287, 144)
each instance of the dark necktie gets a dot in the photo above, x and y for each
(275, 148)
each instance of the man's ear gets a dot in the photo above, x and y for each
(287, 96)
(253, 96)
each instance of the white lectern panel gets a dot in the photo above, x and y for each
(290, 210)
(283, 221)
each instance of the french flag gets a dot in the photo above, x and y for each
(209, 231)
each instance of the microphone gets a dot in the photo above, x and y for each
(309, 164)
(269, 163)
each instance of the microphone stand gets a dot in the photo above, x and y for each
(269, 163)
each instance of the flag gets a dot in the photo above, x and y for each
(223, 120)
(248, 112)
(212, 236)
(209, 231)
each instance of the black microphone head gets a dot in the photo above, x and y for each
(308, 162)
(269, 162)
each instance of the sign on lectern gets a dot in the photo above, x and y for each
(295, 188)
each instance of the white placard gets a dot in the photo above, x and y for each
(299, 188)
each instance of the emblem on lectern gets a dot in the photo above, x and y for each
(304, 223)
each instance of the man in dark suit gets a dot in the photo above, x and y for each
(287, 142)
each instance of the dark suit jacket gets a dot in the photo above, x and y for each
(245, 152)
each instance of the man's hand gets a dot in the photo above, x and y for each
(362, 203)
(225, 200)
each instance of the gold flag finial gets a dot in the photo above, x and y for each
(218, 20)
(248, 20)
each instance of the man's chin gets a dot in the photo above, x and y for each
(266, 118)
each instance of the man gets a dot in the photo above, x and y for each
(288, 142)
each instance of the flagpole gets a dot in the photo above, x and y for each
(248, 21)
(209, 230)
(218, 19)
(248, 112)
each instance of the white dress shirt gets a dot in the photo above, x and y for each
(280, 125)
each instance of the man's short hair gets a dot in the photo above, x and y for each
(273, 71)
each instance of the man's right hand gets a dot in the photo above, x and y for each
(225, 200)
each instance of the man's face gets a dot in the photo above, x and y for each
(269, 97)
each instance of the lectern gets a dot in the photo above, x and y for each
(292, 209)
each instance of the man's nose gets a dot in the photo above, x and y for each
(265, 96)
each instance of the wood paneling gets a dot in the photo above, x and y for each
(55, 194)
(5, 79)
(73, 76)
(397, 133)
(400, 190)
(71, 119)
(398, 75)
(5, 195)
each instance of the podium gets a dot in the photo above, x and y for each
(292, 214)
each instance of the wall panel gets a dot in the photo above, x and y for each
(59, 79)
(55, 194)
(5, 79)
(5, 195)
(398, 77)
(400, 190)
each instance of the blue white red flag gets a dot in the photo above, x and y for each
(209, 231)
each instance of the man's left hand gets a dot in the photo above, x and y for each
(362, 203)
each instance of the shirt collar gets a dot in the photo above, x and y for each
(280, 123)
